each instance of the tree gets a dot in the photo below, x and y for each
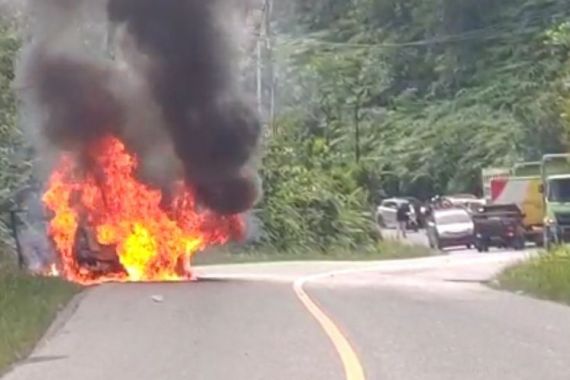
(13, 156)
(439, 88)
(14, 164)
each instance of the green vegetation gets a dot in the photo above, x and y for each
(546, 276)
(28, 306)
(386, 250)
(312, 200)
(13, 164)
(14, 160)
(412, 97)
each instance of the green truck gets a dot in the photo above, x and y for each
(555, 174)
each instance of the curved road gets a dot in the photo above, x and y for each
(418, 319)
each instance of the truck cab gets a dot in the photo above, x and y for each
(555, 173)
(557, 207)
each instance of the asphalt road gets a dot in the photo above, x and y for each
(450, 331)
(418, 319)
(202, 331)
(420, 238)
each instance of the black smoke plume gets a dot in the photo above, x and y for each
(190, 76)
(76, 95)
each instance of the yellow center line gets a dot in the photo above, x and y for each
(352, 367)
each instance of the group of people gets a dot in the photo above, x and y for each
(421, 213)
(403, 213)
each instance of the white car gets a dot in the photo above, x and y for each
(451, 228)
(465, 200)
(386, 213)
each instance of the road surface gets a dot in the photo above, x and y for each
(425, 319)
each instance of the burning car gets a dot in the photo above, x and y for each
(107, 216)
(152, 142)
(114, 228)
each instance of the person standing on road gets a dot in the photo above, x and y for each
(403, 217)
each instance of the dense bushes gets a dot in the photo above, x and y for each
(14, 164)
(10, 136)
(411, 97)
(312, 199)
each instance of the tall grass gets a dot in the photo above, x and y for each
(546, 276)
(385, 250)
(28, 306)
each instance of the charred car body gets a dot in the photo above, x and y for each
(28, 221)
(23, 213)
(36, 251)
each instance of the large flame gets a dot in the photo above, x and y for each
(152, 240)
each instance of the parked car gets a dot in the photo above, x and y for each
(499, 226)
(465, 196)
(386, 213)
(467, 201)
(450, 228)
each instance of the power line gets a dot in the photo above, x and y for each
(483, 34)
(418, 43)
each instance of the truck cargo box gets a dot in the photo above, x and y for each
(525, 192)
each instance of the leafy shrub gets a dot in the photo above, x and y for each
(310, 199)
(546, 276)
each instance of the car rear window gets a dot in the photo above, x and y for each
(451, 218)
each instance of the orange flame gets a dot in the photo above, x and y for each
(51, 271)
(152, 242)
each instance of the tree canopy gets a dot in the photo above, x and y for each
(385, 97)
(416, 97)
(10, 136)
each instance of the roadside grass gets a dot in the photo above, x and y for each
(386, 250)
(546, 276)
(28, 305)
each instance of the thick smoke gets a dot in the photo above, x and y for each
(75, 94)
(174, 99)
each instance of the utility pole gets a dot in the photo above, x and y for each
(259, 66)
(270, 66)
(110, 34)
(259, 60)
(264, 64)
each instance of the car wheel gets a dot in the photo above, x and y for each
(481, 247)
(519, 244)
(478, 246)
(547, 242)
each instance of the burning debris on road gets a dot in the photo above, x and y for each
(151, 154)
